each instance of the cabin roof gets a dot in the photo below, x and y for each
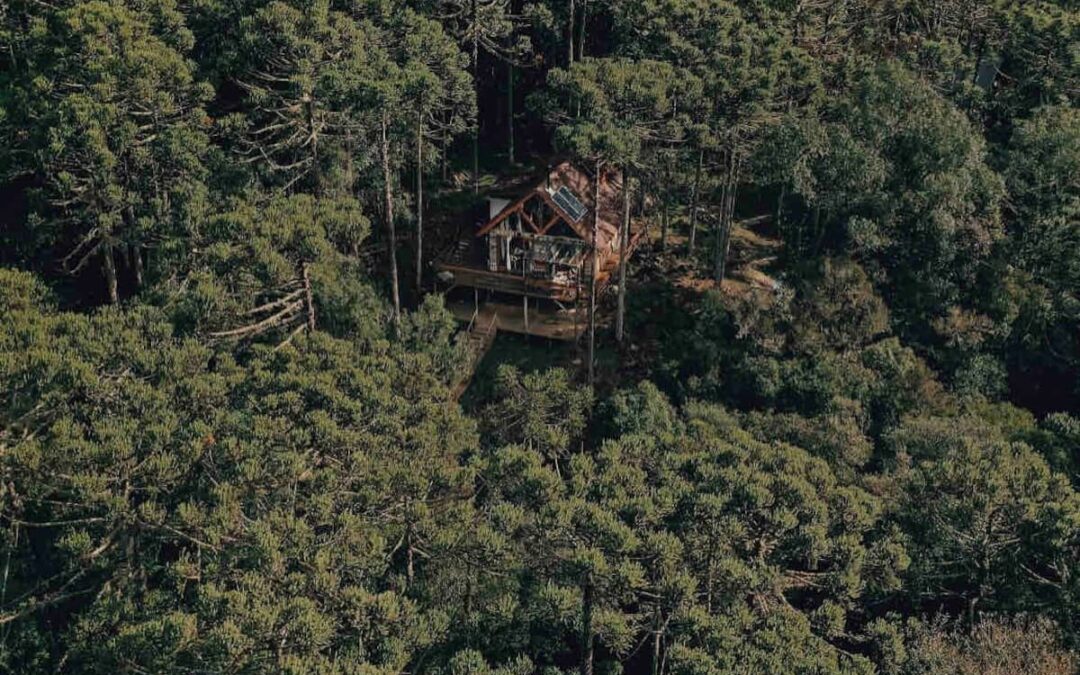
(580, 185)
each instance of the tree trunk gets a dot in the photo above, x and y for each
(419, 201)
(350, 176)
(108, 267)
(510, 110)
(309, 299)
(819, 231)
(570, 38)
(780, 208)
(476, 83)
(624, 244)
(137, 265)
(658, 633)
(316, 167)
(695, 198)
(718, 238)
(581, 32)
(728, 218)
(709, 583)
(410, 566)
(587, 630)
(388, 205)
(446, 158)
(592, 277)
(665, 219)
(132, 254)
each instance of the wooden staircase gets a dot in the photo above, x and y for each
(477, 340)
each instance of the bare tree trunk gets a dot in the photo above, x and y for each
(593, 276)
(419, 201)
(476, 83)
(718, 235)
(388, 205)
(108, 267)
(658, 633)
(350, 176)
(624, 244)
(728, 217)
(445, 159)
(316, 166)
(309, 299)
(510, 110)
(709, 583)
(410, 564)
(721, 224)
(665, 221)
(582, 31)
(694, 201)
(137, 265)
(587, 630)
(780, 207)
(131, 254)
(570, 38)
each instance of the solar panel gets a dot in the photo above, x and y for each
(569, 203)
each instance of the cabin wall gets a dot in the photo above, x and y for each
(555, 259)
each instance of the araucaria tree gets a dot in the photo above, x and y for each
(111, 127)
(242, 429)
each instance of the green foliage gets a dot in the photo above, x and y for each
(607, 110)
(997, 526)
(1040, 164)
(109, 118)
(1039, 52)
(641, 410)
(898, 178)
(166, 487)
(1057, 438)
(996, 646)
(855, 451)
(256, 253)
(546, 412)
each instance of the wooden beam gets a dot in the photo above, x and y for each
(528, 219)
(516, 207)
(519, 205)
(581, 232)
(507, 212)
(551, 223)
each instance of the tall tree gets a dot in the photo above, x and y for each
(992, 536)
(899, 177)
(748, 69)
(1040, 165)
(112, 124)
(486, 27)
(608, 111)
(187, 511)
(438, 88)
(303, 68)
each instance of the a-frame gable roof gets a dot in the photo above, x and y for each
(581, 186)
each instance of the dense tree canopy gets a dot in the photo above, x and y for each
(832, 427)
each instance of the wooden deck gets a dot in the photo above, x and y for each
(549, 323)
(509, 283)
(465, 263)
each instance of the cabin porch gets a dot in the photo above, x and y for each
(539, 318)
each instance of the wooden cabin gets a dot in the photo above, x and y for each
(538, 243)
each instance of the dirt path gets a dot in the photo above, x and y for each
(752, 256)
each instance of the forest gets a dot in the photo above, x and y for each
(835, 428)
